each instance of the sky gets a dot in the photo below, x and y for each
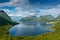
(30, 7)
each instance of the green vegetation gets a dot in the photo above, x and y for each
(58, 18)
(4, 34)
(4, 15)
(5, 19)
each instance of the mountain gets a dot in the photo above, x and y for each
(58, 18)
(4, 15)
(5, 24)
(29, 19)
(46, 18)
(5, 19)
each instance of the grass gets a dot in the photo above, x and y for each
(55, 35)
(4, 34)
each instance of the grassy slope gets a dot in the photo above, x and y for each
(4, 33)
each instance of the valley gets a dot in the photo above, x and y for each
(6, 23)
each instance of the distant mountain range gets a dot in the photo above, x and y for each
(5, 19)
(41, 18)
(46, 18)
(29, 19)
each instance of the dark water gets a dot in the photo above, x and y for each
(30, 29)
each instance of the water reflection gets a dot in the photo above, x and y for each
(29, 29)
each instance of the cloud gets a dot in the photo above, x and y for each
(52, 11)
(19, 6)
(8, 3)
(14, 3)
(15, 15)
(24, 8)
(55, 11)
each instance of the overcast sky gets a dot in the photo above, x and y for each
(30, 7)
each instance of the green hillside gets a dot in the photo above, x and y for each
(4, 34)
(58, 18)
(4, 15)
(5, 19)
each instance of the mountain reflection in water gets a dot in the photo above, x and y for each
(29, 29)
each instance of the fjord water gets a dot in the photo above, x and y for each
(30, 29)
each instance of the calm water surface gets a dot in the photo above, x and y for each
(29, 29)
